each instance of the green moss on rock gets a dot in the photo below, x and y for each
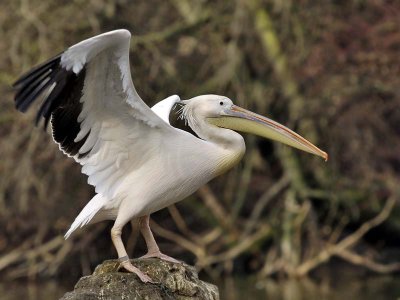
(172, 281)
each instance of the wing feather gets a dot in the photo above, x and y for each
(96, 114)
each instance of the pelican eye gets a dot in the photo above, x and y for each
(221, 103)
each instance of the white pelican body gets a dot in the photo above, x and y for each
(168, 177)
(136, 160)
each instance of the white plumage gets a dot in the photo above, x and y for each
(137, 162)
(162, 109)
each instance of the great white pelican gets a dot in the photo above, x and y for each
(137, 162)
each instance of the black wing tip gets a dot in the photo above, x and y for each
(32, 84)
(62, 91)
(52, 61)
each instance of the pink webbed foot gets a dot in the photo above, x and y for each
(162, 256)
(127, 265)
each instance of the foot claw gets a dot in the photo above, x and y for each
(130, 268)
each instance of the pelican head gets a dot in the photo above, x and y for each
(221, 112)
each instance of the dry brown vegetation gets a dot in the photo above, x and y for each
(329, 70)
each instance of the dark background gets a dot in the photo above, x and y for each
(328, 69)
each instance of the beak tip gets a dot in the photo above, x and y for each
(325, 156)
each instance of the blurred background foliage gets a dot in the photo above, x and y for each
(330, 70)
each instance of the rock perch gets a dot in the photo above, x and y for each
(172, 281)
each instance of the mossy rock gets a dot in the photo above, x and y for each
(172, 281)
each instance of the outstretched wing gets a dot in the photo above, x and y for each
(96, 115)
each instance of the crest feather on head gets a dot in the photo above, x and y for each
(186, 112)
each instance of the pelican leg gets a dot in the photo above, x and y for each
(152, 248)
(123, 256)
